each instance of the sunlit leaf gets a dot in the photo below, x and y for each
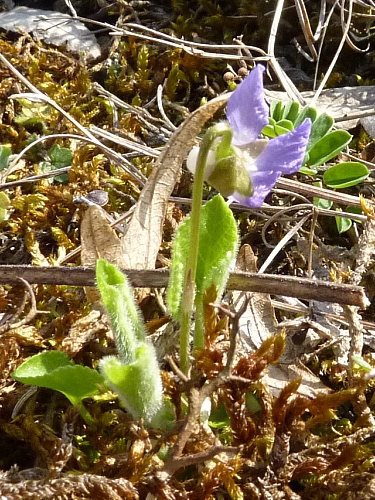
(55, 370)
(321, 202)
(308, 171)
(269, 131)
(306, 112)
(5, 153)
(286, 124)
(218, 243)
(328, 147)
(291, 110)
(4, 205)
(283, 127)
(137, 384)
(321, 126)
(135, 375)
(118, 298)
(345, 174)
(276, 110)
(60, 157)
(343, 224)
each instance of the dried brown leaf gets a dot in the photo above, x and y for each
(252, 366)
(99, 240)
(282, 403)
(324, 402)
(83, 331)
(26, 335)
(214, 325)
(258, 322)
(144, 232)
(314, 466)
(14, 486)
(282, 373)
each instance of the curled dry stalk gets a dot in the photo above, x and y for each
(11, 324)
(283, 242)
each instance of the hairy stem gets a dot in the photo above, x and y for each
(220, 130)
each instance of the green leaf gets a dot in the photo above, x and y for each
(135, 377)
(55, 370)
(308, 171)
(280, 130)
(280, 110)
(252, 402)
(354, 210)
(306, 112)
(362, 363)
(47, 166)
(125, 316)
(321, 126)
(343, 224)
(276, 110)
(286, 124)
(136, 101)
(142, 59)
(4, 205)
(291, 110)
(60, 157)
(328, 147)
(219, 418)
(5, 153)
(41, 364)
(218, 243)
(175, 76)
(269, 131)
(137, 384)
(321, 202)
(346, 174)
(276, 129)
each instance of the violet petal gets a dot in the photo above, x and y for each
(263, 182)
(285, 153)
(247, 110)
(282, 155)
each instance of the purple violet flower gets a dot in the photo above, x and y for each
(264, 160)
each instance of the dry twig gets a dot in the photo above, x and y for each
(289, 286)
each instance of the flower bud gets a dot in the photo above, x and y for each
(229, 175)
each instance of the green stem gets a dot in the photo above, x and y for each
(224, 131)
(224, 148)
(87, 417)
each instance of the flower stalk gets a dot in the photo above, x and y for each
(219, 131)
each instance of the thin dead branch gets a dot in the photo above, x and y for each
(289, 286)
(327, 194)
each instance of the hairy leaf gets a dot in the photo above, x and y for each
(218, 242)
(117, 296)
